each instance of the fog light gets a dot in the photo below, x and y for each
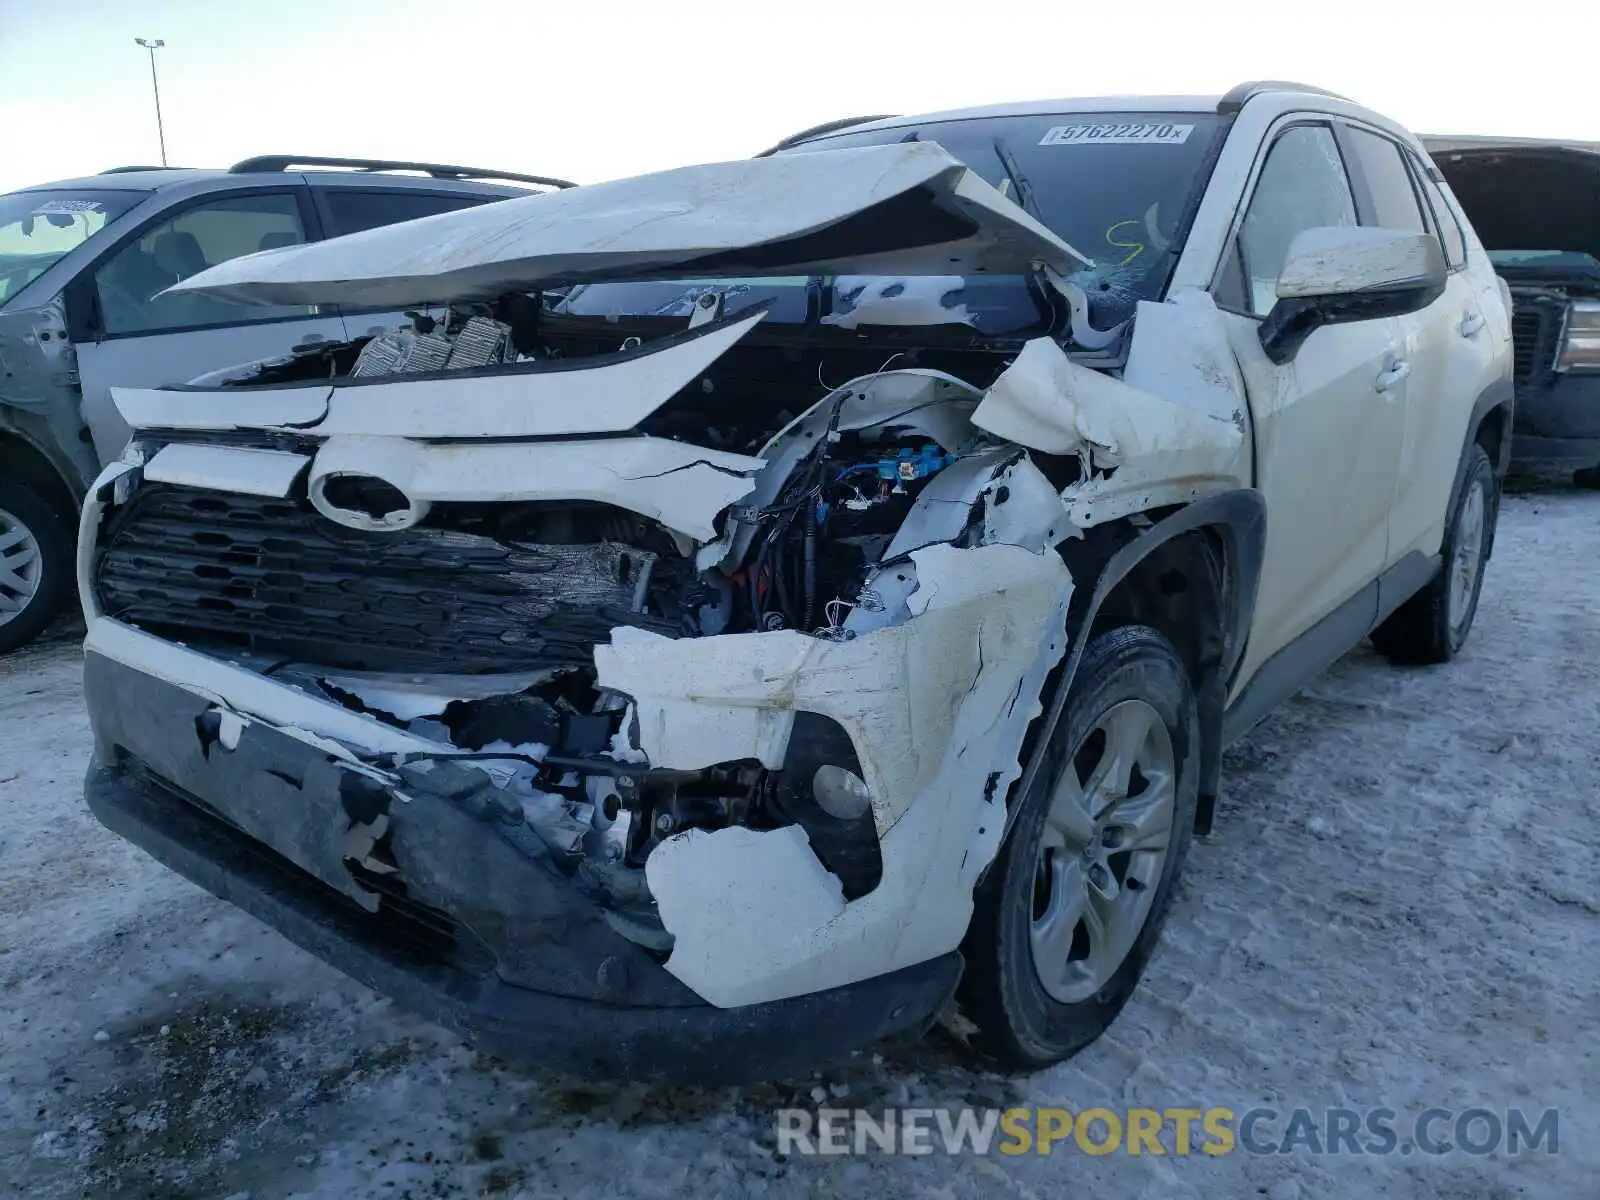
(841, 793)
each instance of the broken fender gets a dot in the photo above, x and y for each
(1138, 450)
(935, 706)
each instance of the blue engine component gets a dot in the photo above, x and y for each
(891, 475)
(913, 464)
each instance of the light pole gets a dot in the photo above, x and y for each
(155, 87)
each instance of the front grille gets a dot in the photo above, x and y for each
(276, 578)
(403, 926)
(1528, 338)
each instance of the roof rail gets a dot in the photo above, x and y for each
(284, 162)
(1234, 100)
(136, 167)
(825, 127)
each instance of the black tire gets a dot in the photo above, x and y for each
(51, 531)
(1430, 628)
(1019, 1024)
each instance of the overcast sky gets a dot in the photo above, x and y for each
(595, 89)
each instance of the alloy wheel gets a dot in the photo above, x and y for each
(21, 567)
(1467, 560)
(1103, 849)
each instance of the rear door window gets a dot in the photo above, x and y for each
(351, 210)
(1444, 217)
(1391, 196)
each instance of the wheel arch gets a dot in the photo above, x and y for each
(1222, 539)
(23, 457)
(1493, 414)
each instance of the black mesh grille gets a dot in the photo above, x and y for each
(1529, 340)
(276, 578)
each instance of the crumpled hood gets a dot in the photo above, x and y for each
(905, 209)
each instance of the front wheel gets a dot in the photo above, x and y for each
(1071, 910)
(36, 547)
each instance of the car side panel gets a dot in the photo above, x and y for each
(1327, 450)
(1453, 351)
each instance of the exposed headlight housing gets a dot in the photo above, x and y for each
(1580, 341)
(821, 789)
(841, 792)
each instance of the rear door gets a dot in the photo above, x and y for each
(140, 338)
(352, 209)
(1447, 348)
(1326, 424)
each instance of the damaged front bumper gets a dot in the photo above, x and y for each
(483, 937)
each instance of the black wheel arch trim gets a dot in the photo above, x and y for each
(1501, 394)
(45, 466)
(1239, 517)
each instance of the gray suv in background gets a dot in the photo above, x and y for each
(83, 267)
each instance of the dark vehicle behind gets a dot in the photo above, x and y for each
(1536, 206)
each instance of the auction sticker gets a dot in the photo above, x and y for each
(1127, 134)
(56, 207)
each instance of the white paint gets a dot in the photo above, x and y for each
(934, 706)
(343, 458)
(662, 225)
(1029, 402)
(408, 697)
(550, 816)
(1031, 515)
(116, 476)
(230, 726)
(320, 722)
(1337, 261)
(1156, 450)
(1180, 352)
(527, 749)
(605, 397)
(906, 301)
(1083, 333)
(681, 485)
(227, 468)
(230, 408)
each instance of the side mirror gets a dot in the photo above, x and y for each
(1335, 275)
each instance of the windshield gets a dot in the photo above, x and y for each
(37, 228)
(1119, 187)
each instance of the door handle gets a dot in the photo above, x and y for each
(1390, 377)
(1471, 323)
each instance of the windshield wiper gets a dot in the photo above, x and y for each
(1041, 286)
(1019, 181)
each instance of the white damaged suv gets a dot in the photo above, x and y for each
(751, 607)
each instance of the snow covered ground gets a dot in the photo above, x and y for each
(1400, 907)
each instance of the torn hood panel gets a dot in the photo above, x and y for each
(905, 209)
